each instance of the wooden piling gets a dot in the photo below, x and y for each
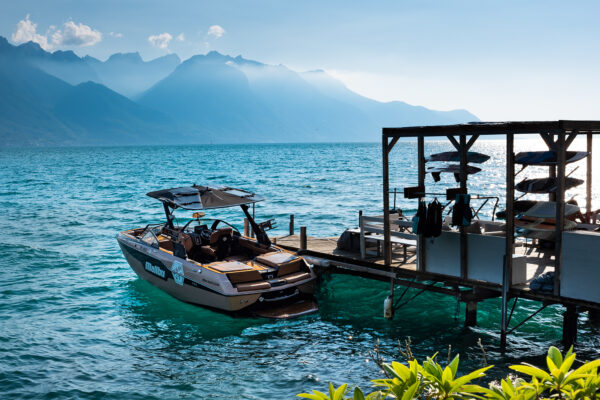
(463, 188)
(588, 180)
(303, 238)
(291, 224)
(387, 245)
(510, 229)
(246, 227)
(471, 313)
(560, 209)
(570, 318)
(421, 263)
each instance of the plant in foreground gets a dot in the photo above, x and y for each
(430, 380)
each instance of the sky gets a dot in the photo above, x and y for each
(501, 60)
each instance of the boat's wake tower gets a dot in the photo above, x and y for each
(204, 197)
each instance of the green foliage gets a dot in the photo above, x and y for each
(429, 381)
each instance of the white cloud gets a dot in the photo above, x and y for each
(216, 31)
(161, 41)
(117, 35)
(76, 35)
(26, 32)
(181, 37)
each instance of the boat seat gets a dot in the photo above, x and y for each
(220, 243)
(245, 287)
(298, 276)
(221, 235)
(276, 258)
(208, 251)
(183, 245)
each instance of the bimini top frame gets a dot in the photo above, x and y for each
(204, 197)
(558, 136)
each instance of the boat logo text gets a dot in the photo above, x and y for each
(153, 269)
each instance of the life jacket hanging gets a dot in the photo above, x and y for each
(461, 212)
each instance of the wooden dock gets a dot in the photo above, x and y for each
(328, 259)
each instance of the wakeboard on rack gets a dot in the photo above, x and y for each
(452, 168)
(547, 157)
(545, 185)
(547, 209)
(472, 157)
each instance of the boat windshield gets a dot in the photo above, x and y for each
(150, 235)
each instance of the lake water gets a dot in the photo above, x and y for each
(76, 322)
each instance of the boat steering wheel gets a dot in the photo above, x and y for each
(216, 223)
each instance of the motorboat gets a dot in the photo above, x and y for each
(208, 262)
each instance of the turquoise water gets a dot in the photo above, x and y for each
(76, 322)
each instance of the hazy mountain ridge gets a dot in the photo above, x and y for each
(61, 99)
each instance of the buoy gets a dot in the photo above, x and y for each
(388, 312)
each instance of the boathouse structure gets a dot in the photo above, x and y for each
(499, 258)
(574, 264)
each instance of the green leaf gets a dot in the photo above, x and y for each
(567, 363)
(532, 371)
(447, 375)
(358, 394)
(468, 378)
(339, 393)
(376, 396)
(410, 392)
(316, 396)
(551, 366)
(454, 366)
(587, 367)
(555, 355)
(507, 387)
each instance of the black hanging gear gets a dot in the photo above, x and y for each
(434, 219)
(420, 219)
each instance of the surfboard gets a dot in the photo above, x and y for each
(547, 209)
(547, 157)
(472, 157)
(452, 168)
(545, 185)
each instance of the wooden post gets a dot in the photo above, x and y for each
(570, 318)
(254, 218)
(421, 260)
(510, 230)
(471, 313)
(560, 209)
(303, 245)
(463, 186)
(246, 227)
(291, 224)
(363, 243)
(387, 246)
(588, 179)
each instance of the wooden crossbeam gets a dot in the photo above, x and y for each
(454, 142)
(392, 143)
(471, 141)
(570, 139)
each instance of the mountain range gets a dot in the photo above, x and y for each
(61, 99)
